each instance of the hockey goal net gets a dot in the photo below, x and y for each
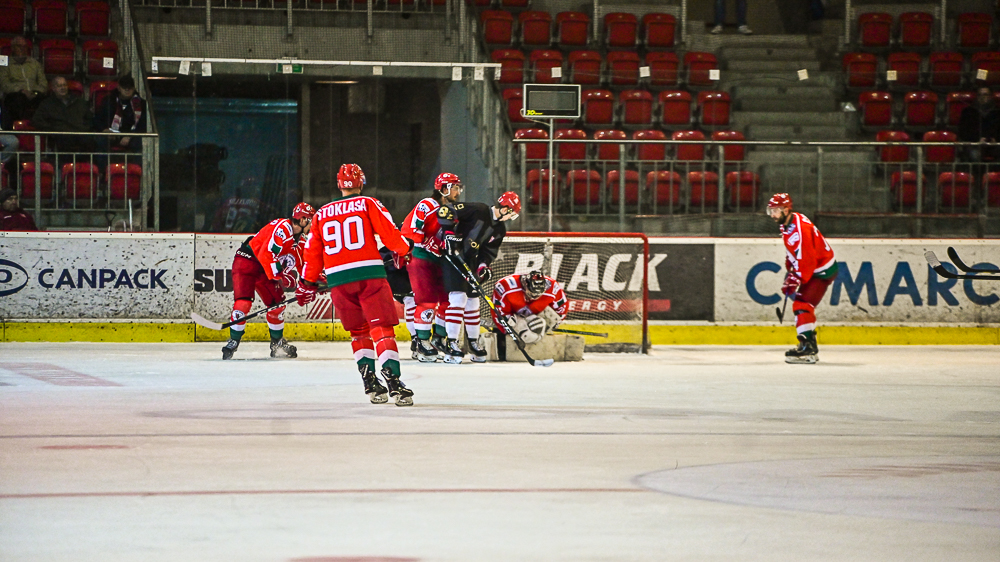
(604, 276)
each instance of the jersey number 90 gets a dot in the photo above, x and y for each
(337, 236)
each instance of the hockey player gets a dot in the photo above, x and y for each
(342, 244)
(421, 226)
(811, 268)
(472, 233)
(267, 263)
(533, 304)
(402, 291)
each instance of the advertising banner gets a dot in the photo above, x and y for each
(681, 276)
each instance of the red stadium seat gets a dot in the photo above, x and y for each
(80, 179)
(916, 30)
(903, 189)
(514, 4)
(12, 17)
(538, 186)
(631, 186)
(665, 186)
(598, 107)
(714, 108)
(658, 31)
(571, 151)
(498, 27)
(572, 29)
(944, 70)
(620, 30)
(650, 151)
(47, 179)
(675, 108)
(26, 143)
(585, 185)
(991, 189)
(663, 69)
(623, 68)
(636, 107)
(124, 182)
(536, 29)
(58, 56)
(874, 29)
(514, 98)
(861, 70)
(893, 154)
(93, 19)
(703, 191)
(743, 188)
(974, 30)
(955, 103)
(689, 152)
(697, 66)
(920, 110)
(988, 61)
(95, 52)
(875, 109)
(939, 154)
(955, 188)
(731, 152)
(584, 67)
(534, 150)
(542, 63)
(75, 87)
(907, 67)
(99, 91)
(511, 65)
(609, 151)
(51, 17)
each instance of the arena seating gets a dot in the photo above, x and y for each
(571, 151)
(47, 176)
(585, 186)
(893, 154)
(743, 188)
(655, 152)
(955, 189)
(665, 187)
(609, 151)
(124, 181)
(631, 186)
(13, 17)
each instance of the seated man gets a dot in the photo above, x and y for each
(12, 216)
(123, 112)
(533, 304)
(22, 82)
(63, 111)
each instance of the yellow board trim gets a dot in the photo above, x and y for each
(825, 335)
(97, 332)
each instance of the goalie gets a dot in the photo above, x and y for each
(533, 304)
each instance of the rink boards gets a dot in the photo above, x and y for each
(143, 287)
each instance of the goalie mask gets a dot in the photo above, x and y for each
(534, 284)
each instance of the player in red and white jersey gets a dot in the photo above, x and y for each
(422, 227)
(342, 245)
(534, 304)
(267, 264)
(811, 268)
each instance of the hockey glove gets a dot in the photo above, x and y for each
(551, 317)
(286, 278)
(305, 292)
(453, 243)
(484, 273)
(791, 285)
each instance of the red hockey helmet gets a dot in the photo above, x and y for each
(445, 181)
(303, 211)
(780, 200)
(510, 200)
(350, 176)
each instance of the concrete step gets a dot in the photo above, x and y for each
(787, 104)
(715, 43)
(801, 89)
(755, 118)
(800, 155)
(767, 53)
(748, 67)
(796, 132)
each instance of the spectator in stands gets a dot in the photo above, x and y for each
(123, 112)
(741, 17)
(981, 123)
(8, 147)
(22, 82)
(13, 217)
(63, 111)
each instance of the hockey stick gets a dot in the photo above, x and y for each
(466, 273)
(953, 255)
(781, 311)
(940, 270)
(580, 332)
(202, 321)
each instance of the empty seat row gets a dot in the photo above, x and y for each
(955, 190)
(941, 70)
(672, 108)
(919, 109)
(652, 151)
(533, 29)
(619, 68)
(915, 30)
(96, 57)
(942, 154)
(55, 17)
(663, 188)
(82, 180)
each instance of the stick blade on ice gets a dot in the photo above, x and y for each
(202, 321)
(544, 362)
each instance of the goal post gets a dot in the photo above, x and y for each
(604, 276)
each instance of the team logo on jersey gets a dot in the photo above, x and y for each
(280, 233)
(474, 244)
(427, 316)
(237, 315)
(794, 238)
(445, 213)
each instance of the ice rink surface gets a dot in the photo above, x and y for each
(163, 452)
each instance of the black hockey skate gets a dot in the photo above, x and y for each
(397, 390)
(806, 352)
(425, 352)
(440, 344)
(377, 393)
(453, 352)
(229, 349)
(478, 351)
(281, 348)
(413, 349)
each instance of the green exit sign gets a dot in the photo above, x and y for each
(289, 69)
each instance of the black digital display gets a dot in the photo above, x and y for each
(552, 100)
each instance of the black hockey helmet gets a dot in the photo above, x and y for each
(534, 284)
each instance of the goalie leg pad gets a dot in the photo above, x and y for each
(529, 328)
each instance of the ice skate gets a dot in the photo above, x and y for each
(439, 343)
(478, 351)
(806, 352)
(281, 348)
(425, 352)
(229, 349)
(397, 390)
(414, 352)
(377, 393)
(453, 352)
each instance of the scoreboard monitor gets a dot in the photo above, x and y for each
(552, 101)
